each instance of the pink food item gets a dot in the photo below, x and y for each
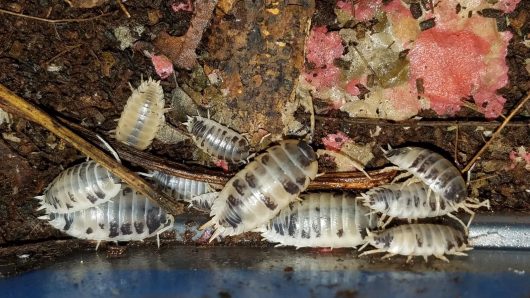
(335, 141)
(222, 164)
(362, 10)
(182, 6)
(163, 66)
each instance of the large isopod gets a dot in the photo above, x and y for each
(264, 187)
(440, 175)
(321, 220)
(79, 187)
(142, 116)
(185, 189)
(415, 201)
(218, 140)
(418, 240)
(128, 216)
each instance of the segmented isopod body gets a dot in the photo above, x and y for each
(185, 189)
(321, 220)
(127, 216)
(142, 116)
(218, 140)
(418, 240)
(79, 187)
(264, 187)
(438, 173)
(414, 201)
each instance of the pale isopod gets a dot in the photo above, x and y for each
(142, 116)
(321, 220)
(184, 189)
(415, 201)
(264, 187)
(79, 187)
(218, 140)
(128, 216)
(440, 175)
(418, 240)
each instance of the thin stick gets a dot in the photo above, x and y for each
(25, 109)
(124, 9)
(54, 21)
(496, 133)
(456, 144)
(422, 123)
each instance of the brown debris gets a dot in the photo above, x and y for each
(86, 3)
(181, 49)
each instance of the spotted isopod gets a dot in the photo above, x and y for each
(185, 189)
(418, 240)
(438, 173)
(265, 186)
(414, 201)
(321, 220)
(79, 187)
(142, 116)
(218, 140)
(127, 216)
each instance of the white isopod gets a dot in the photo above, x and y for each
(79, 187)
(438, 173)
(415, 201)
(418, 240)
(185, 189)
(321, 220)
(264, 187)
(127, 216)
(218, 140)
(142, 116)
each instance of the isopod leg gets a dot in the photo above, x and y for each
(466, 227)
(388, 255)
(373, 251)
(442, 257)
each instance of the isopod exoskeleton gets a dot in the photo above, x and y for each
(142, 116)
(79, 187)
(438, 173)
(127, 216)
(321, 220)
(185, 189)
(265, 186)
(218, 140)
(415, 201)
(418, 240)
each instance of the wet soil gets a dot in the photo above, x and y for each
(77, 70)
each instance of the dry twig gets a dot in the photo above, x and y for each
(124, 9)
(18, 105)
(496, 133)
(54, 21)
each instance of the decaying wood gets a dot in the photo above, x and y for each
(21, 107)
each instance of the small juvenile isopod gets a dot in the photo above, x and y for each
(264, 187)
(185, 189)
(142, 116)
(414, 201)
(79, 187)
(418, 240)
(439, 174)
(127, 216)
(218, 140)
(321, 220)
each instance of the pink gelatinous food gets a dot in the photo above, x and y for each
(322, 49)
(182, 6)
(507, 5)
(352, 88)
(335, 141)
(163, 66)
(363, 10)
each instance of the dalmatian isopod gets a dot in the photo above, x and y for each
(439, 174)
(79, 187)
(218, 140)
(127, 216)
(321, 220)
(142, 116)
(264, 187)
(418, 240)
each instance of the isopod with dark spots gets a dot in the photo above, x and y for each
(415, 201)
(79, 187)
(142, 116)
(127, 216)
(218, 140)
(438, 173)
(265, 186)
(418, 240)
(321, 220)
